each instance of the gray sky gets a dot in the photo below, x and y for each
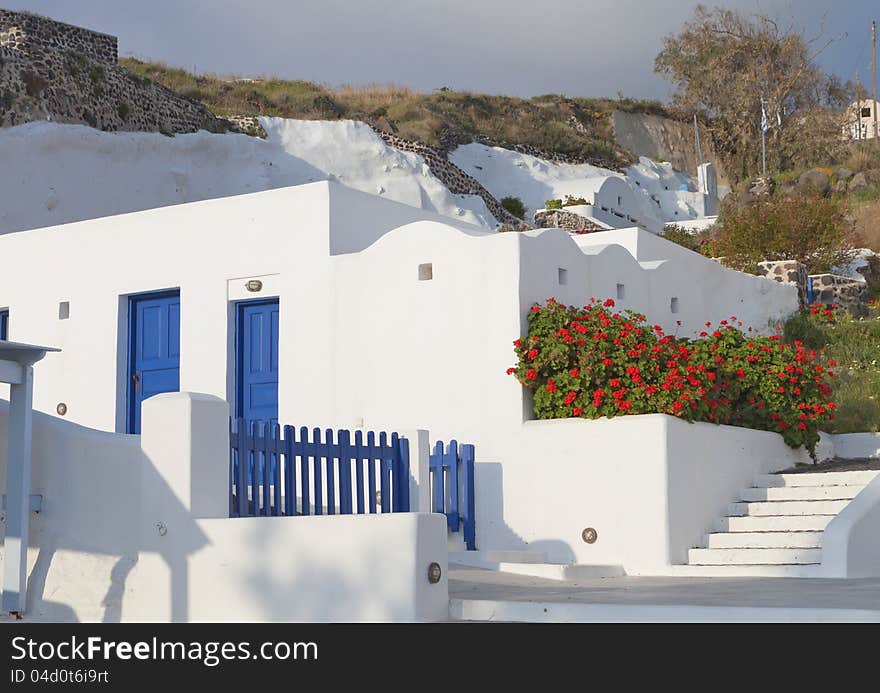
(517, 47)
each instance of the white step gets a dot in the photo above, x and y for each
(763, 540)
(754, 556)
(792, 571)
(793, 523)
(831, 507)
(492, 559)
(790, 493)
(562, 571)
(859, 478)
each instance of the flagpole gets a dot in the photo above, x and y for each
(763, 140)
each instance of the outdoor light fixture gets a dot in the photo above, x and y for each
(254, 285)
(589, 535)
(434, 573)
(61, 409)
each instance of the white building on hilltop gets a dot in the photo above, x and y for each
(860, 119)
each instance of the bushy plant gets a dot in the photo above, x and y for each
(553, 204)
(572, 201)
(807, 228)
(515, 206)
(595, 361)
(854, 344)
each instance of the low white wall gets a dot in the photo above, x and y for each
(332, 568)
(650, 485)
(850, 544)
(136, 528)
(856, 445)
(83, 543)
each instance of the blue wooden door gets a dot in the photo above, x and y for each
(4, 324)
(257, 368)
(154, 350)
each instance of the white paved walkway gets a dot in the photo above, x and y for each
(482, 595)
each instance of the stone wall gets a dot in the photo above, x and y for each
(844, 291)
(562, 219)
(32, 33)
(50, 71)
(458, 182)
(826, 288)
(786, 272)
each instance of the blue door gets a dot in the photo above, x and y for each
(257, 355)
(154, 350)
(4, 324)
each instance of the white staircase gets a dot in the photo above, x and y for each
(776, 527)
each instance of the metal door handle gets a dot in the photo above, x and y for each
(137, 381)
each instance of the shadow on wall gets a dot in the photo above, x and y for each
(492, 530)
(86, 538)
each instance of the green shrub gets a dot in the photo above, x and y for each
(852, 346)
(515, 206)
(592, 362)
(553, 204)
(571, 201)
(807, 228)
(681, 236)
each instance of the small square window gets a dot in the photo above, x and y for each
(673, 304)
(64, 310)
(866, 112)
(563, 276)
(621, 292)
(426, 271)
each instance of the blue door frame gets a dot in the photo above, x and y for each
(4, 324)
(256, 369)
(153, 350)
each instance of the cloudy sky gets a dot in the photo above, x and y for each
(518, 47)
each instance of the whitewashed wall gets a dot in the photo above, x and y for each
(358, 327)
(135, 528)
(650, 485)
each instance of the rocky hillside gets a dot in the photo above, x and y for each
(54, 71)
(553, 127)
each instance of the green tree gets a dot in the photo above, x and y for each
(723, 61)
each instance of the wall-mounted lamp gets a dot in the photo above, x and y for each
(254, 285)
(589, 535)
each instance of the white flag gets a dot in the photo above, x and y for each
(764, 125)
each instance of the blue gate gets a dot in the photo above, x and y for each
(452, 488)
(273, 471)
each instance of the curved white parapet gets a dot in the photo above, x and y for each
(850, 546)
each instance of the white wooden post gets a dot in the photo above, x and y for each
(18, 488)
(419, 481)
(17, 368)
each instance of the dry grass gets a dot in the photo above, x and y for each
(867, 225)
(541, 122)
(373, 98)
(864, 157)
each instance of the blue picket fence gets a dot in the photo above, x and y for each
(452, 488)
(274, 471)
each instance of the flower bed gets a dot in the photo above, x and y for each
(593, 361)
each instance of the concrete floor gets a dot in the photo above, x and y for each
(485, 595)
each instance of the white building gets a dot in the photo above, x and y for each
(318, 305)
(376, 313)
(860, 119)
